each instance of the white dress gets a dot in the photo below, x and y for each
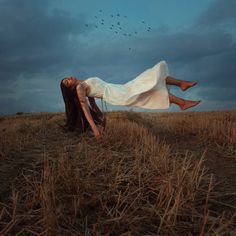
(148, 90)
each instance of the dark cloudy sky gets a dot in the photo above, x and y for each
(43, 41)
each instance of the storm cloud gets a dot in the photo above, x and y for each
(41, 43)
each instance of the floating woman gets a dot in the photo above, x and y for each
(149, 90)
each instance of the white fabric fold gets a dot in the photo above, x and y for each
(148, 90)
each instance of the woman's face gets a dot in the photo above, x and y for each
(70, 81)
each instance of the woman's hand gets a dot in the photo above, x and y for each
(97, 133)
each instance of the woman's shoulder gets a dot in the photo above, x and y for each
(84, 86)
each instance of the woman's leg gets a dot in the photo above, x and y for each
(182, 103)
(183, 84)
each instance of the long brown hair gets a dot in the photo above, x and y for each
(75, 117)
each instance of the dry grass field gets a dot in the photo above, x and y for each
(155, 174)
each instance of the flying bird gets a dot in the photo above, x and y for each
(116, 26)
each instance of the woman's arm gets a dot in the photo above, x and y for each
(99, 114)
(82, 98)
(94, 106)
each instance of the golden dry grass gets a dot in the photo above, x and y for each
(151, 176)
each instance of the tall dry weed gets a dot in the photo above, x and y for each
(132, 185)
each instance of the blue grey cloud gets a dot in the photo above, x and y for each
(220, 13)
(41, 43)
(35, 39)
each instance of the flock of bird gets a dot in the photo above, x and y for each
(115, 25)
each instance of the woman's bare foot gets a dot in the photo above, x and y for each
(184, 85)
(187, 104)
